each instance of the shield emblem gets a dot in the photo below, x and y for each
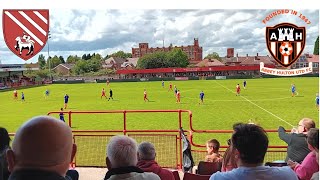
(285, 42)
(25, 31)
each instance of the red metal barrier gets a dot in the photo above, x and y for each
(125, 130)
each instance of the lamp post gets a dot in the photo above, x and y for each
(49, 59)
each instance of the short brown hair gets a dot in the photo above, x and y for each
(215, 144)
(308, 123)
(313, 137)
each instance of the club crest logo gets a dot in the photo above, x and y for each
(25, 31)
(285, 42)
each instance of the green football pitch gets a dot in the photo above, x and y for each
(266, 102)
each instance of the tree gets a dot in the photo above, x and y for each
(177, 58)
(55, 61)
(62, 59)
(73, 59)
(121, 54)
(42, 61)
(316, 47)
(213, 55)
(174, 58)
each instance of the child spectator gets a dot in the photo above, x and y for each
(213, 155)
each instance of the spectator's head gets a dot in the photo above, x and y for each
(121, 152)
(305, 124)
(313, 139)
(213, 146)
(42, 143)
(146, 151)
(250, 143)
(4, 139)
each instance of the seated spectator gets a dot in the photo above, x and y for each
(4, 145)
(309, 165)
(297, 146)
(250, 144)
(122, 160)
(228, 160)
(42, 149)
(146, 161)
(213, 151)
(213, 155)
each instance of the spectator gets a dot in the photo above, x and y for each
(42, 149)
(146, 161)
(122, 160)
(309, 165)
(250, 143)
(213, 151)
(4, 145)
(297, 146)
(228, 160)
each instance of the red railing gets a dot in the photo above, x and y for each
(125, 130)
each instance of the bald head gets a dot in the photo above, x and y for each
(42, 143)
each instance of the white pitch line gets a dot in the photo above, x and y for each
(257, 105)
(33, 23)
(41, 17)
(23, 27)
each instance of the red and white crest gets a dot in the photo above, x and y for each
(25, 31)
(286, 42)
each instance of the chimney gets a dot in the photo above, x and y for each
(237, 54)
(257, 54)
(247, 55)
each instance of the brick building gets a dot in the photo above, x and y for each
(194, 51)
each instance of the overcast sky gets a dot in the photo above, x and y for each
(75, 32)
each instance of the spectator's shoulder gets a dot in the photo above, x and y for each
(286, 173)
(150, 175)
(222, 175)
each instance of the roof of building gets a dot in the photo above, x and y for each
(255, 60)
(67, 66)
(116, 60)
(133, 61)
(313, 58)
(209, 63)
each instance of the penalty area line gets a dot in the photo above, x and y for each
(257, 105)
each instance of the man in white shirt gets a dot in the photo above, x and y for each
(250, 144)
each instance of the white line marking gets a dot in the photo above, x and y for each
(257, 105)
(232, 100)
(41, 17)
(33, 23)
(23, 27)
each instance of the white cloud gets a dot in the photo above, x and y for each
(106, 31)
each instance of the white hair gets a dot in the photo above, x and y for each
(146, 151)
(122, 151)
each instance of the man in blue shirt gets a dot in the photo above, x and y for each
(66, 100)
(249, 143)
(61, 115)
(201, 97)
(244, 84)
(22, 96)
(293, 90)
(162, 84)
(317, 101)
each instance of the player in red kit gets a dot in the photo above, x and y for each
(170, 87)
(238, 90)
(145, 95)
(178, 96)
(103, 93)
(15, 94)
